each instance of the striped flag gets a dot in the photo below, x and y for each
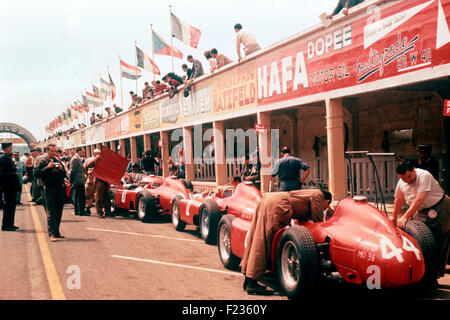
(112, 87)
(85, 103)
(162, 48)
(96, 91)
(92, 100)
(144, 62)
(104, 89)
(130, 72)
(79, 106)
(185, 32)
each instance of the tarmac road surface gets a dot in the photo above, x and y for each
(121, 258)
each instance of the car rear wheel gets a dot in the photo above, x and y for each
(176, 219)
(229, 260)
(145, 208)
(424, 237)
(209, 219)
(298, 263)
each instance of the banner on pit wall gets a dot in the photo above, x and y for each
(198, 104)
(99, 133)
(235, 90)
(150, 117)
(170, 111)
(112, 127)
(124, 124)
(135, 117)
(394, 39)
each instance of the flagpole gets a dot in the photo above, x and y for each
(121, 87)
(135, 63)
(153, 49)
(171, 37)
(110, 101)
(100, 94)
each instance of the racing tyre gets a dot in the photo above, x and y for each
(112, 197)
(298, 262)
(229, 260)
(209, 219)
(424, 237)
(176, 219)
(145, 208)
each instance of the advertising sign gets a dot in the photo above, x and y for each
(150, 117)
(235, 90)
(135, 120)
(400, 38)
(198, 104)
(170, 110)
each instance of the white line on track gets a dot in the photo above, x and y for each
(178, 265)
(144, 235)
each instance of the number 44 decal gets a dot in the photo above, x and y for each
(388, 250)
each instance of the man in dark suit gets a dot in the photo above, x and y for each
(77, 179)
(52, 172)
(9, 185)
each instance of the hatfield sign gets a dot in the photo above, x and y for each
(398, 39)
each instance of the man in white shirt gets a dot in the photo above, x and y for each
(247, 39)
(427, 203)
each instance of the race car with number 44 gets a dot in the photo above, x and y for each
(356, 243)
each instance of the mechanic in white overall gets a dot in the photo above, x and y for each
(427, 203)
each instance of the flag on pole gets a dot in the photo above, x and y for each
(85, 103)
(96, 91)
(92, 100)
(112, 87)
(144, 62)
(130, 72)
(104, 89)
(185, 32)
(162, 48)
(78, 106)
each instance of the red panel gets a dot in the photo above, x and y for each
(111, 167)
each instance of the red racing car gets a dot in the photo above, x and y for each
(358, 243)
(206, 212)
(158, 200)
(127, 197)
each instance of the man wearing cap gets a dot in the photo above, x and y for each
(90, 180)
(429, 204)
(9, 184)
(426, 161)
(102, 197)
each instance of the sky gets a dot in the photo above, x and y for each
(52, 51)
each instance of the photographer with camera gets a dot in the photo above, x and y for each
(52, 173)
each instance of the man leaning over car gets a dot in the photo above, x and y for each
(274, 212)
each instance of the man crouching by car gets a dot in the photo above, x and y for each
(274, 212)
